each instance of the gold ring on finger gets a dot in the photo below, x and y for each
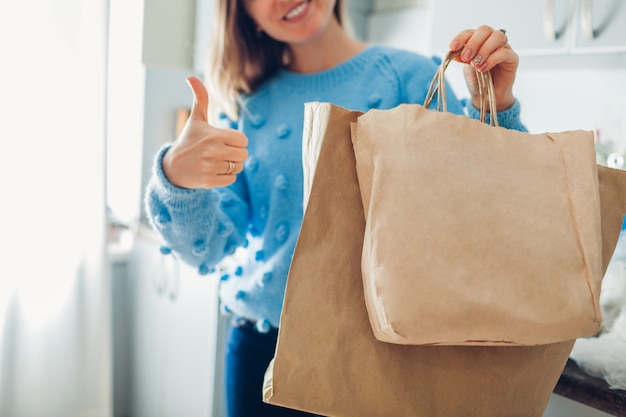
(231, 168)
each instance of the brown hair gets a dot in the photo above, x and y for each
(240, 58)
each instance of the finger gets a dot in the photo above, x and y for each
(231, 168)
(219, 167)
(237, 168)
(495, 42)
(200, 108)
(214, 152)
(473, 44)
(236, 139)
(460, 39)
(218, 164)
(498, 56)
(221, 181)
(235, 155)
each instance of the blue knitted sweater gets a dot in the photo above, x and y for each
(262, 210)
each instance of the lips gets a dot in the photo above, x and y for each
(297, 11)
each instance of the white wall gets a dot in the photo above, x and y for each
(407, 28)
(169, 30)
(575, 98)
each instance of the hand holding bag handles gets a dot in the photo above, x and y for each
(485, 90)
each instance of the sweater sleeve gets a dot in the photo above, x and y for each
(510, 118)
(201, 226)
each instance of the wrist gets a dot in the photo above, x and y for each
(168, 170)
(503, 102)
(165, 164)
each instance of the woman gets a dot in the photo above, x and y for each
(239, 184)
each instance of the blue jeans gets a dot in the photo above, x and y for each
(248, 353)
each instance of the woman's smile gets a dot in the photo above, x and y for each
(297, 12)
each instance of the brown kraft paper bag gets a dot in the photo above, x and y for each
(328, 361)
(494, 230)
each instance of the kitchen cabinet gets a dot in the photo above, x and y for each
(537, 27)
(602, 26)
(173, 333)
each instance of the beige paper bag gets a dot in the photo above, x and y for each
(495, 230)
(475, 234)
(327, 360)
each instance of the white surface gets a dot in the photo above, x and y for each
(564, 407)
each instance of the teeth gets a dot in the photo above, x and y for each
(295, 12)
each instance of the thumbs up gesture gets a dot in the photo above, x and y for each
(204, 156)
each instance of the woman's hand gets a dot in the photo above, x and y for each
(204, 156)
(487, 49)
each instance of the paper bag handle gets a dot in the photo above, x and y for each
(485, 90)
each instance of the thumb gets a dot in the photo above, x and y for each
(200, 108)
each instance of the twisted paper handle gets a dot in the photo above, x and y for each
(485, 90)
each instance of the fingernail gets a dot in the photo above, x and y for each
(467, 54)
(476, 61)
(483, 67)
(454, 45)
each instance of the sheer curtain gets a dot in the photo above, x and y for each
(55, 353)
